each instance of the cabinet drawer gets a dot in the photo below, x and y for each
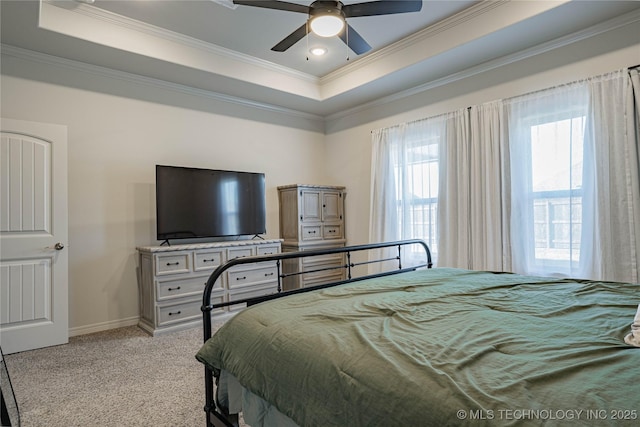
(174, 288)
(171, 264)
(207, 260)
(311, 232)
(240, 252)
(332, 231)
(255, 275)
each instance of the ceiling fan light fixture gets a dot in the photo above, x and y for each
(328, 25)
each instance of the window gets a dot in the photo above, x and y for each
(556, 177)
(416, 179)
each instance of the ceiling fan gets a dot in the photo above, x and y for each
(327, 18)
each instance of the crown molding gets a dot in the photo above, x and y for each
(174, 37)
(603, 27)
(43, 58)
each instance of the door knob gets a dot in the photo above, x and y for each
(58, 246)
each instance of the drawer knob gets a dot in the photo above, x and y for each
(174, 289)
(173, 263)
(241, 278)
(208, 260)
(268, 274)
(175, 314)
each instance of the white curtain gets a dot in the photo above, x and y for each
(470, 198)
(384, 214)
(404, 174)
(611, 208)
(453, 220)
(388, 148)
(486, 209)
(570, 153)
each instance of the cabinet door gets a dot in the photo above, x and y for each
(331, 206)
(310, 202)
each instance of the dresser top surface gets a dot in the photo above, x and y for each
(331, 187)
(194, 246)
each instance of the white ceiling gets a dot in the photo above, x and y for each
(254, 31)
(207, 46)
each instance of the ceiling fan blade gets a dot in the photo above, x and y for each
(354, 40)
(274, 4)
(389, 7)
(291, 39)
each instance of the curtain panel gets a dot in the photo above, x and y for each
(612, 193)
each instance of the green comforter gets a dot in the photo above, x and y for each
(441, 347)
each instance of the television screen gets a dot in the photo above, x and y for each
(193, 203)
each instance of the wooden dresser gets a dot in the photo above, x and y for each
(172, 278)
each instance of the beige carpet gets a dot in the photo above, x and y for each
(122, 377)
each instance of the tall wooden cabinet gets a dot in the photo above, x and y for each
(312, 217)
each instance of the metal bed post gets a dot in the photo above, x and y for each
(279, 276)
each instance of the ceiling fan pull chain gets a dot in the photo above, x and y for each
(347, 43)
(307, 39)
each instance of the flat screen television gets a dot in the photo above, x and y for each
(196, 203)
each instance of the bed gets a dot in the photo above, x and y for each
(422, 346)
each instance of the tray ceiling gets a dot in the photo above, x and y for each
(214, 46)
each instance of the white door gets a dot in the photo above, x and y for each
(33, 236)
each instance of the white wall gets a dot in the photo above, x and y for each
(118, 131)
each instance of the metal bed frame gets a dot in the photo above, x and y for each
(216, 418)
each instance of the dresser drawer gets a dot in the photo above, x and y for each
(240, 253)
(172, 264)
(322, 273)
(332, 231)
(188, 310)
(207, 260)
(311, 232)
(246, 276)
(312, 261)
(179, 312)
(258, 291)
(175, 288)
(268, 250)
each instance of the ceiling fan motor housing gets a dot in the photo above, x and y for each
(326, 7)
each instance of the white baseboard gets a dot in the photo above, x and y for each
(104, 326)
